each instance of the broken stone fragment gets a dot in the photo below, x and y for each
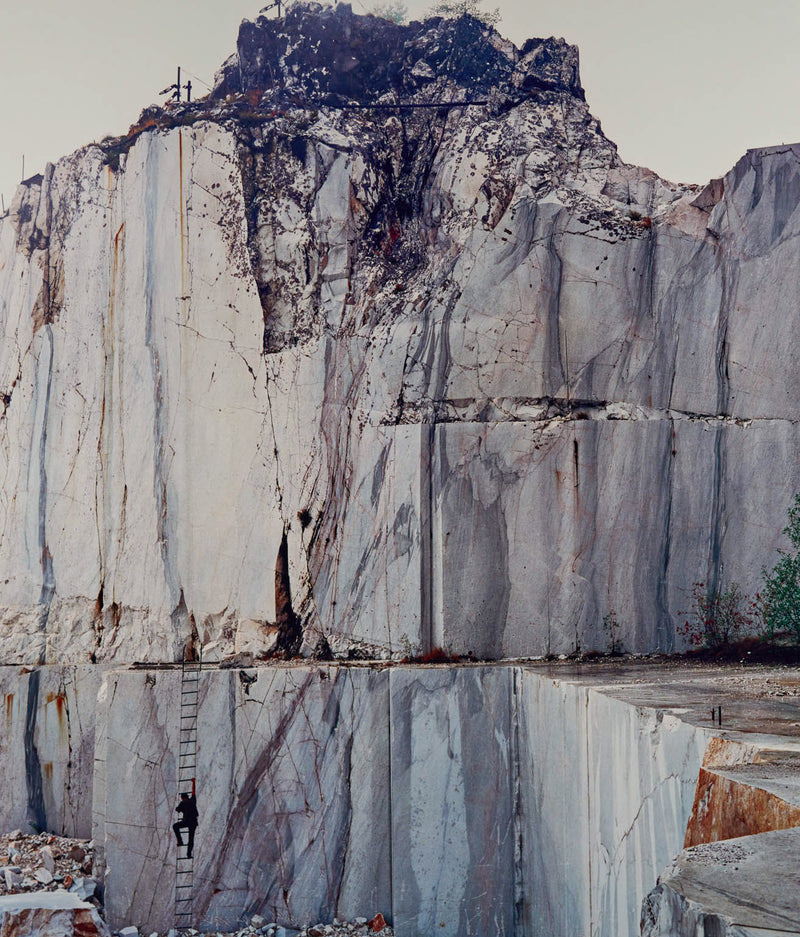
(377, 924)
(13, 879)
(48, 859)
(83, 888)
(45, 876)
(242, 659)
(129, 932)
(49, 913)
(77, 854)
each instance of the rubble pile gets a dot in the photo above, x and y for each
(46, 862)
(259, 925)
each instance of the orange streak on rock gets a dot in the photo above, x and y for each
(725, 808)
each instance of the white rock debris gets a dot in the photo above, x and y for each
(45, 862)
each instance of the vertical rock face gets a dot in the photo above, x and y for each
(476, 381)
(457, 800)
(47, 748)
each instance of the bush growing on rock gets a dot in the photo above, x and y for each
(451, 9)
(719, 617)
(780, 597)
(394, 10)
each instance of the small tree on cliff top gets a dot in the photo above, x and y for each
(780, 597)
(451, 9)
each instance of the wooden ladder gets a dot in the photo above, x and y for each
(187, 769)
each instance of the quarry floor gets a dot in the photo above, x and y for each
(760, 698)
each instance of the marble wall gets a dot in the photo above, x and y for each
(482, 426)
(606, 789)
(456, 800)
(47, 748)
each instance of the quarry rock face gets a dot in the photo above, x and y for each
(299, 367)
(462, 799)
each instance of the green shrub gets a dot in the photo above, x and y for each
(780, 596)
(394, 10)
(451, 9)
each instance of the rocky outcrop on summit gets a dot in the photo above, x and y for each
(466, 378)
(328, 55)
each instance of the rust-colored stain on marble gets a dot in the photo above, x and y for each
(9, 708)
(60, 704)
(726, 807)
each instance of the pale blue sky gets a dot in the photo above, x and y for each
(684, 87)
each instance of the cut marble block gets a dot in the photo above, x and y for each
(50, 914)
(132, 822)
(297, 828)
(743, 887)
(553, 806)
(47, 748)
(606, 789)
(544, 529)
(455, 799)
(293, 788)
(453, 843)
(643, 767)
(369, 585)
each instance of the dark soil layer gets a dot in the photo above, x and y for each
(748, 651)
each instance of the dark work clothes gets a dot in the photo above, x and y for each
(187, 808)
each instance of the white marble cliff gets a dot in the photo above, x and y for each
(454, 375)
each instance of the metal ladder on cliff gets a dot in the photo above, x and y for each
(187, 769)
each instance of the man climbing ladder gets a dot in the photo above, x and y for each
(187, 808)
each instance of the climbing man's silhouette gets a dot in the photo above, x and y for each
(187, 808)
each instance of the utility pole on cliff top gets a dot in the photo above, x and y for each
(272, 6)
(175, 89)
